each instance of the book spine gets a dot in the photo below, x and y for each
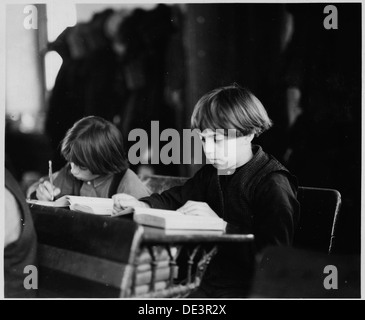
(148, 265)
(160, 274)
(145, 288)
(160, 254)
(153, 265)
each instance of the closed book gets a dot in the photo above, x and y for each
(174, 220)
(159, 253)
(161, 274)
(145, 288)
(148, 265)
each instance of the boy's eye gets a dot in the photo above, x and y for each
(82, 168)
(79, 167)
(218, 138)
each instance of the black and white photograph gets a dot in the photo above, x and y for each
(181, 155)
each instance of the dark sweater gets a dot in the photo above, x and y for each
(258, 198)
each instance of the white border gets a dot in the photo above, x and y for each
(2, 99)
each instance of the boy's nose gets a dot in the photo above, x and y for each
(74, 170)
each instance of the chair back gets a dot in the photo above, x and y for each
(319, 211)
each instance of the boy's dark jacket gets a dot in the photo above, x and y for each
(258, 198)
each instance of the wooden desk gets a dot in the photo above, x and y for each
(88, 256)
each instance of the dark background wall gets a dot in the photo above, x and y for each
(272, 48)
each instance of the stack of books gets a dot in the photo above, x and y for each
(155, 274)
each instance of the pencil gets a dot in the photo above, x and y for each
(50, 177)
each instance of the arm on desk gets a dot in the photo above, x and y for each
(123, 204)
(183, 190)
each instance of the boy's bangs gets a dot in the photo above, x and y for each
(209, 120)
(209, 116)
(78, 155)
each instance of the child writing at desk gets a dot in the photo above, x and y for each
(97, 166)
(245, 186)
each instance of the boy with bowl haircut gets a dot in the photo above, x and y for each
(245, 186)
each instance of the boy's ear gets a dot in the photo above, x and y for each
(248, 138)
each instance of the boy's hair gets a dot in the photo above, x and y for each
(95, 144)
(231, 107)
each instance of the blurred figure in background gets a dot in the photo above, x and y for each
(20, 243)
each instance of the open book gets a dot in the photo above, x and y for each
(100, 206)
(174, 220)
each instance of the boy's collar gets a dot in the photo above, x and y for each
(257, 155)
(99, 180)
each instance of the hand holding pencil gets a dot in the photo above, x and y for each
(46, 191)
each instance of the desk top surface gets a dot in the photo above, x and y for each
(157, 235)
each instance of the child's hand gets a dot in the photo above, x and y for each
(123, 201)
(197, 208)
(44, 191)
